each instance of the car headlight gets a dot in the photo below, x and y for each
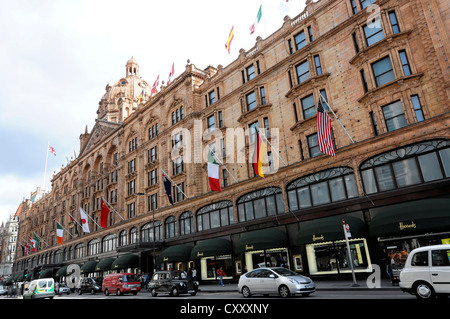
(182, 284)
(295, 282)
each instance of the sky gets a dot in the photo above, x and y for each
(57, 56)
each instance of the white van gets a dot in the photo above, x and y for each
(40, 288)
(427, 272)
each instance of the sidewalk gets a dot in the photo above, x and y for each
(385, 284)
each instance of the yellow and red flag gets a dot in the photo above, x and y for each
(230, 38)
(258, 156)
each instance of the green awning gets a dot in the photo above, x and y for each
(410, 217)
(329, 229)
(126, 261)
(46, 273)
(104, 264)
(89, 267)
(61, 272)
(262, 239)
(175, 253)
(211, 247)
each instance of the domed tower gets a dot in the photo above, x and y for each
(123, 98)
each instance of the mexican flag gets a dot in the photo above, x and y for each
(59, 233)
(213, 173)
(258, 18)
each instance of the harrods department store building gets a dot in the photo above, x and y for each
(387, 80)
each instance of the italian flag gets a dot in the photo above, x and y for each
(213, 173)
(59, 233)
(258, 18)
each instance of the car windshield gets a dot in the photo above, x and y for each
(130, 278)
(284, 272)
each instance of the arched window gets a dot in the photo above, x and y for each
(405, 166)
(123, 238)
(261, 203)
(80, 251)
(109, 243)
(147, 233)
(58, 257)
(215, 215)
(323, 187)
(134, 235)
(94, 247)
(171, 227)
(186, 223)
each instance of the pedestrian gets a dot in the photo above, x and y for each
(194, 274)
(221, 273)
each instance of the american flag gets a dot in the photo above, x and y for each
(324, 135)
(51, 149)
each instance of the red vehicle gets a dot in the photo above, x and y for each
(121, 283)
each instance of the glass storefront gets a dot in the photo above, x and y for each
(210, 265)
(332, 257)
(276, 257)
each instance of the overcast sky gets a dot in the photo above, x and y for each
(57, 56)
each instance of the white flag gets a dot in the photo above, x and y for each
(84, 221)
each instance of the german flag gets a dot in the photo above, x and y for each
(258, 156)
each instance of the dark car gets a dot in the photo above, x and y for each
(168, 282)
(88, 285)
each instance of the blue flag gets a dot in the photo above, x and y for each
(168, 187)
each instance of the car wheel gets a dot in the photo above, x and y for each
(106, 292)
(118, 292)
(93, 291)
(79, 291)
(174, 292)
(284, 291)
(154, 294)
(246, 292)
(194, 293)
(423, 290)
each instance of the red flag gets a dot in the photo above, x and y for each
(171, 74)
(155, 86)
(104, 215)
(324, 135)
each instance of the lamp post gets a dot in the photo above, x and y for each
(153, 223)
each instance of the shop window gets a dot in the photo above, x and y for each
(410, 165)
(261, 203)
(150, 233)
(171, 227)
(324, 187)
(215, 215)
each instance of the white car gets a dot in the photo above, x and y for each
(275, 280)
(427, 272)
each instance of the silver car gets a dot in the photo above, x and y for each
(275, 280)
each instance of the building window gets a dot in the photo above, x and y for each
(383, 71)
(254, 129)
(150, 233)
(373, 32)
(250, 71)
(405, 62)
(250, 100)
(318, 66)
(109, 243)
(354, 8)
(394, 116)
(364, 81)
(410, 165)
(178, 166)
(153, 131)
(211, 123)
(308, 106)
(211, 97)
(374, 123)
(394, 22)
(266, 126)
(220, 119)
(355, 42)
(123, 238)
(178, 192)
(186, 223)
(310, 34)
(152, 154)
(152, 177)
(300, 40)
(365, 3)
(152, 202)
(133, 144)
(417, 108)
(261, 203)
(131, 187)
(171, 227)
(225, 177)
(131, 210)
(303, 72)
(313, 145)
(215, 215)
(262, 93)
(320, 188)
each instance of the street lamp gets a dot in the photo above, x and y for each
(153, 222)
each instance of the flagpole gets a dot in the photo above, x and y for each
(93, 220)
(40, 238)
(45, 170)
(165, 174)
(221, 163)
(321, 96)
(75, 220)
(276, 151)
(112, 208)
